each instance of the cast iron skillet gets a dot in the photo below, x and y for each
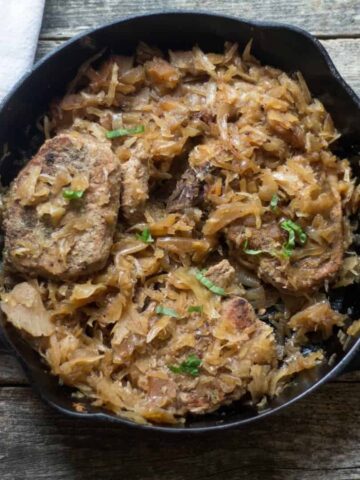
(283, 46)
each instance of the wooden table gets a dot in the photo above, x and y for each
(316, 439)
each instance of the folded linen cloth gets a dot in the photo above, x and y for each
(20, 22)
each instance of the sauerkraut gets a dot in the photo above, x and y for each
(234, 220)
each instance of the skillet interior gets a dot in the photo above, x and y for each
(285, 47)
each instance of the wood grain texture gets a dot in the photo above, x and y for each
(345, 53)
(317, 439)
(322, 17)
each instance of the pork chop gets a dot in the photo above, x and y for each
(295, 276)
(62, 208)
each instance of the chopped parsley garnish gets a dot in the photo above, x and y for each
(123, 132)
(287, 250)
(249, 251)
(295, 233)
(195, 309)
(145, 236)
(72, 194)
(188, 367)
(274, 202)
(160, 310)
(200, 276)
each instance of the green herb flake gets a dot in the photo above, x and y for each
(72, 194)
(295, 232)
(189, 367)
(145, 236)
(274, 202)
(249, 251)
(161, 310)
(287, 250)
(195, 309)
(200, 276)
(123, 132)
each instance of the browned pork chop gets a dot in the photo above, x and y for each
(252, 344)
(48, 231)
(299, 275)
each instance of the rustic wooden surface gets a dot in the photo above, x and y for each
(316, 439)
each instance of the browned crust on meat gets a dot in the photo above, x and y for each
(239, 312)
(89, 248)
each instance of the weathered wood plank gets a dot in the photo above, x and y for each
(46, 46)
(64, 18)
(344, 52)
(318, 438)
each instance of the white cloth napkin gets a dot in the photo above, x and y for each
(20, 22)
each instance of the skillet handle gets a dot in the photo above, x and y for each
(4, 345)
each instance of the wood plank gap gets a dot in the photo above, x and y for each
(54, 38)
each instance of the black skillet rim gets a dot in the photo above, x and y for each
(107, 417)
